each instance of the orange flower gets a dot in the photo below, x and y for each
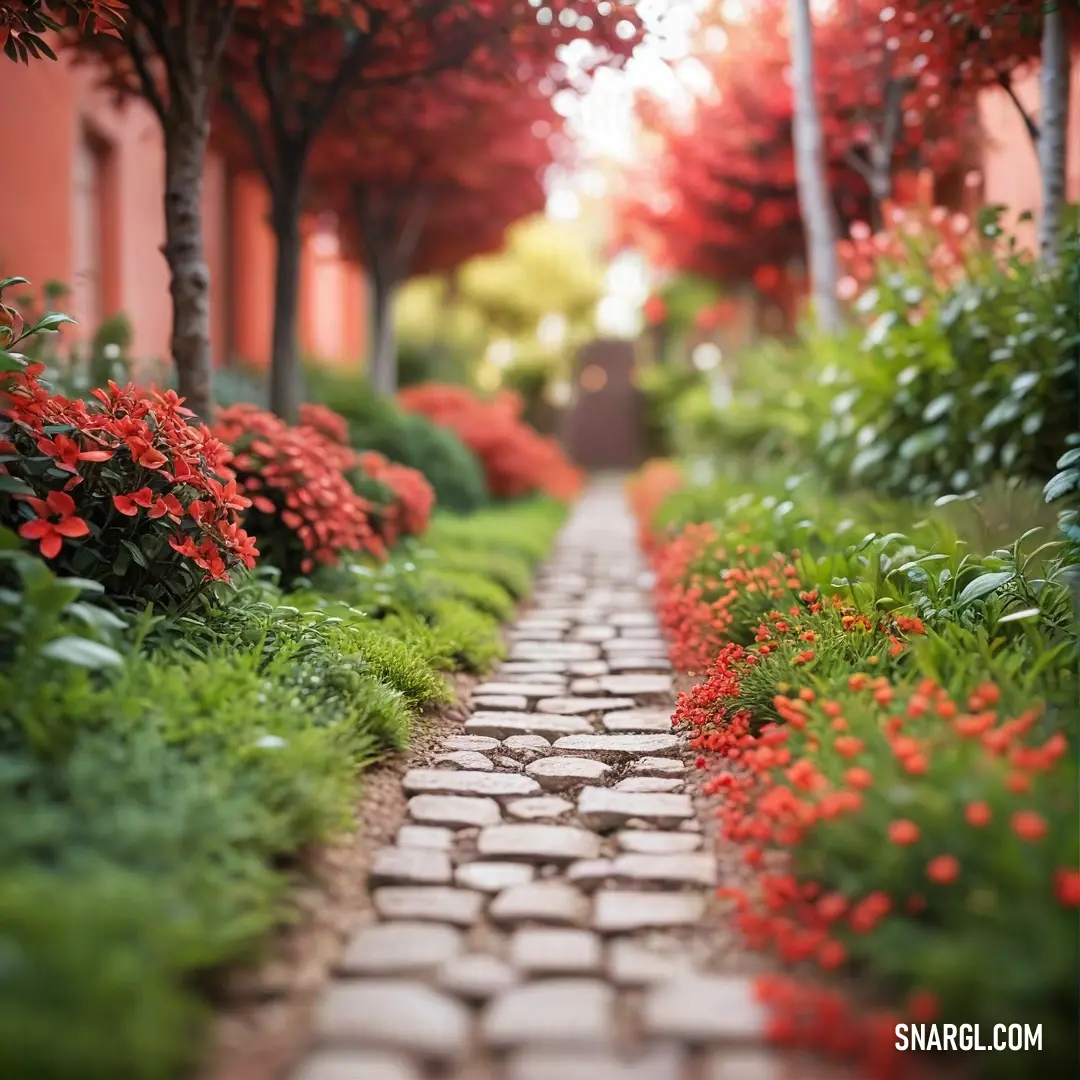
(848, 746)
(903, 832)
(858, 777)
(1067, 887)
(977, 814)
(1029, 825)
(943, 869)
(51, 534)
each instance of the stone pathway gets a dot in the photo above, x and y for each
(541, 915)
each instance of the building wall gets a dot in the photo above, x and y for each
(82, 185)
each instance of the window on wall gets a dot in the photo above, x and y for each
(88, 232)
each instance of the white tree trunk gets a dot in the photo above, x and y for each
(1053, 128)
(815, 203)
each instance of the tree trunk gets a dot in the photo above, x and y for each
(189, 285)
(815, 204)
(384, 360)
(1053, 129)
(286, 376)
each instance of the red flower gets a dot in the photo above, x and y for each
(66, 452)
(51, 534)
(1029, 825)
(1067, 887)
(903, 832)
(943, 870)
(977, 814)
(129, 505)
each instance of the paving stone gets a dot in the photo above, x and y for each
(618, 747)
(531, 743)
(357, 1065)
(633, 618)
(759, 1065)
(451, 782)
(507, 703)
(589, 874)
(705, 1009)
(658, 843)
(698, 868)
(605, 808)
(535, 634)
(555, 951)
(588, 669)
(636, 685)
(425, 836)
(501, 725)
(631, 962)
(552, 901)
(540, 622)
(550, 651)
(477, 976)
(650, 784)
(592, 633)
(464, 759)
(454, 811)
(411, 865)
(564, 773)
(649, 721)
(520, 689)
(539, 808)
(652, 631)
(659, 1063)
(508, 763)
(492, 877)
(657, 766)
(400, 948)
(622, 646)
(586, 685)
(469, 742)
(578, 706)
(430, 903)
(551, 1012)
(394, 1014)
(532, 667)
(619, 911)
(538, 843)
(621, 664)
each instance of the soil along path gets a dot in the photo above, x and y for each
(546, 911)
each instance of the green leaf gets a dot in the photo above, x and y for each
(12, 485)
(1070, 457)
(136, 555)
(7, 282)
(82, 652)
(983, 586)
(1016, 616)
(1061, 484)
(50, 322)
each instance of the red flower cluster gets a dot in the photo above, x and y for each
(517, 461)
(302, 505)
(412, 497)
(149, 494)
(646, 491)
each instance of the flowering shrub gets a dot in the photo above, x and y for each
(303, 507)
(647, 490)
(517, 461)
(407, 499)
(122, 489)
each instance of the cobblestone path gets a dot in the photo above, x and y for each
(543, 914)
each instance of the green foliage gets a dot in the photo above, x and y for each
(377, 424)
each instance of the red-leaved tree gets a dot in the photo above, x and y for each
(23, 22)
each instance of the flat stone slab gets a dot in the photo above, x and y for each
(425, 836)
(552, 651)
(508, 702)
(641, 842)
(705, 1009)
(469, 742)
(464, 759)
(540, 808)
(605, 808)
(657, 766)
(590, 874)
(633, 618)
(520, 689)
(534, 634)
(588, 669)
(647, 647)
(631, 962)
(527, 742)
(555, 951)
(659, 1063)
(357, 1065)
(532, 667)
(429, 903)
(400, 948)
(620, 911)
(551, 1012)
(766, 1065)
(411, 865)
(490, 877)
(650, 784)
(394, 1014)
(586, 686)
(619, 747)
(696, 868)
(477, 976)
(593, 633)
(636, 685)
(504, 725)
(564, 773)
(581, 706)
(454, 811)
(551, 901)
(655, 721)
(451, 782)
(623, 664)
(538, 843)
